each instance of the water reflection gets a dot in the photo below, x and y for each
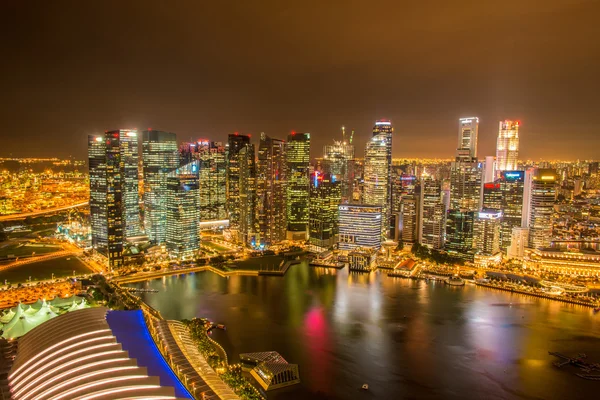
(407, 339)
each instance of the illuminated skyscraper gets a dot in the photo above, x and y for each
(377, 171)
(325, 197)
(271, 182)
(212, 175)
(459, 233)
(432, 214)
(359, 227)
(486, 237)
(241, 171)
(542, 194)
(338, 161)
(183, 233)
(468, 130)
(298, 186)
(410, 218)
(512, 188)
(507, 147)
(114, 197)
(159, 157)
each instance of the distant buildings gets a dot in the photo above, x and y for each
(541, 193)
(114, 197)
(486, 238)
(271, 190)
(325, 197)
(377, 171)
(507, 147)
(432, 213)
(468, 132)
(297, 158)
(411, 218)
(159, 157)
(459, 233)
(338, 161)
(359, 226)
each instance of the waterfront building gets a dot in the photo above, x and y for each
(468, 131)
(542, 195)
(325, 197)
(410, 218)
(359, 226)
(298, 186)
(246, 213)
(486, 238)
(114, 196)
(271, 193)
(271, 370)
(212, 177)
(362, 260)
(507, 146)
(235, 143)
(459, 234)
(518, 242)
(183, 211)
(377, 171)
(563, 261)
(431, 232)
(159, 157)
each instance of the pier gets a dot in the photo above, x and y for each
(578, 362)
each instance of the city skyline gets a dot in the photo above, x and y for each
(264, 71)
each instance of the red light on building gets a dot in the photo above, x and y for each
(236, 133)
(293, 133)
(491, 185)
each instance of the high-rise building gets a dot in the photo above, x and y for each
(212, 177)
(298, 186)
(465, 185)
(241, 187)
(542, 194)
(183, 217)
(459, 233)
(410, 218)
(338, 161)
(159, 157)
(114, 196)
(378, 169)
(468, 130)
(489, 169)
(359, 226)
(492, 196)
(432, 214)
(507, 147)
(518, 243)
(247, 195)
(271, 193)
(325, 197)
(486, 238)
(512, 188)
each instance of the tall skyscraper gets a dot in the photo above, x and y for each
(459, 233)
(512, 188)
(183, 232)
(359, 227)
(468, 130)
(507, 147)
(486, 238)
(378, 170)
(325, 197)
(432, 213)
(542, 195)
(489, 169)
(298, 186)
(271, 193)
(338, 161)
(410, 218)
(159, 157)
(114, 197)
(212, 175)
(241, 185)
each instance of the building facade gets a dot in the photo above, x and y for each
(298, 186)
(459, 234)
(542, 195)
(468, 132)
(271, 191)
(507, 146)
(359, 226)
(432, 214)
(325, 197)
(183, 211)
(235, 143)
(159, 157)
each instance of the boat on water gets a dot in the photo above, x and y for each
(365, 386)
(597, 309)
(455, 280)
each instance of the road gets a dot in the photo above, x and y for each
(30, 260)
(13, 217)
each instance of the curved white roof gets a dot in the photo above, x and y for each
(76, 356)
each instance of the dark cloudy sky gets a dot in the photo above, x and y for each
(207, 68)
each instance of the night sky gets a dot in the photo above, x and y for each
(203, 69)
